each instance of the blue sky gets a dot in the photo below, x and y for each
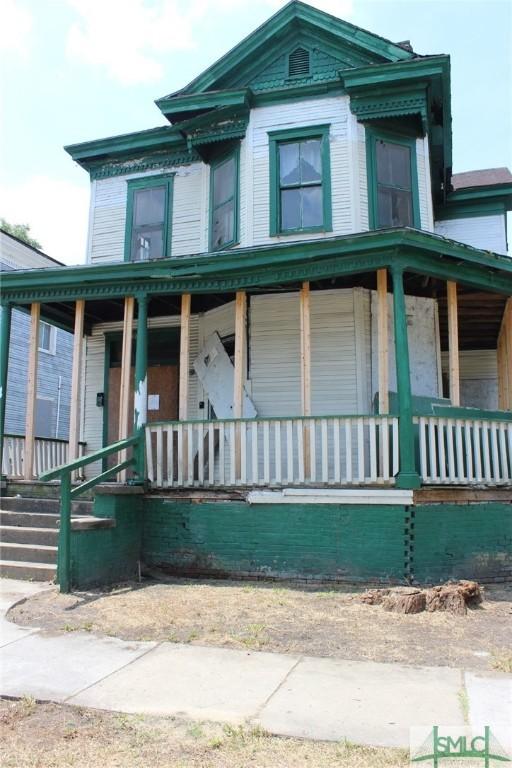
(75, 70)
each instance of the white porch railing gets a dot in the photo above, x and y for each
(339, 450)
(48, 454)
(465, 451)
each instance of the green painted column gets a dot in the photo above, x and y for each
(140, 402)
(408, 476)
(5, 335)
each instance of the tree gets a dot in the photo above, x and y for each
(21, 231)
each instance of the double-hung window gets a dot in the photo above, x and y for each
(224, 187)
(148, 218)
(300, 180)
(47, 338)
(392, 181)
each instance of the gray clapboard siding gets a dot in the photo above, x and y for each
(487, 232)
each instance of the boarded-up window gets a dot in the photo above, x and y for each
(45, 417)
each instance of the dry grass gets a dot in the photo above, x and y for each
(282, 618)
(502, 662)
(51, 736)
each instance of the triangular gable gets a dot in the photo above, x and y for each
(259, 58)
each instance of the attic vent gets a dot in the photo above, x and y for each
(298, 62)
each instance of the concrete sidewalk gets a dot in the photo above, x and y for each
(315, 698)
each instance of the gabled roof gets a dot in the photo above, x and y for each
(344, 43)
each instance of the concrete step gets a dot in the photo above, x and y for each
(25, 535)
(28, 553)
(42, 506)
(18, 569)
(29, 519)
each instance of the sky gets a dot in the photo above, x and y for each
(75, 70)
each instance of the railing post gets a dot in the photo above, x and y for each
(408, 476)
(140, 403)
(64, 557)
(5, 334)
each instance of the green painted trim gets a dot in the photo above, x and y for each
(372, 136)
(163, 136)
(408, 476)
(134, 185)
(292, 15)
(478, 414)
(109, 338)
(123, 165)
(296, 134)
(5, 336)
(220, 160)
(470, 210)
(395, 101)
(140, 389)
(418, 251)
(396, 72)
(196, 102)
(493, 199)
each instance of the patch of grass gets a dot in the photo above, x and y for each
(195, 731)
(70, 628)
(464, 704)
(502, 661)
(254, 636)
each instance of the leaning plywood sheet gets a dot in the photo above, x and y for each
(216, 374)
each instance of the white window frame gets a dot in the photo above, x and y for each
(53, 339)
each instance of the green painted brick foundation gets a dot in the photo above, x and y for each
(462, 541)
(317, 541)
(108, 555)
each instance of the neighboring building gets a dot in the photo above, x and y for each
(297, 305)
(55, 355)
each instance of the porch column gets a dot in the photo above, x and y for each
(382, 339)
(305, 369)
(504, 351)
(5, 335)
(28, 461)
(126, 367)
(186, 303)
(238, 388)
(453, 342)
(140, 403)
(408, 476)
(74, 413)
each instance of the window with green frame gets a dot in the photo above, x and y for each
(224, 193)
(392, 180)
(148, 218)
(300, 180)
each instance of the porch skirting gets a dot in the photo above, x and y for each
(374, 543)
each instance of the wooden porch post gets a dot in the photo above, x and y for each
(504, 351)
(186, 303)
(453, 342)
(126, 367)
(305, 369)
(74, 413)
(5, 335)
(140, 403)
(28, 461)
(238, 389)
(408, 476)
(382, 339)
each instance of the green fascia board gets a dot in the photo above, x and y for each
(165, 136)
(396, 72)
(197, 102)
(477, 194)
(239, 268)
(292, 13)
(488, 200)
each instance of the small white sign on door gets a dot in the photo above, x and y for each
(153, 402)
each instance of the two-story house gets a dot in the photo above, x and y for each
(296, 316)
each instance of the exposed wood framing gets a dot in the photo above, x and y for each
(238, 389)
(76, 388)
(305, 368)
(505, 359)
(35, 313)
(382, 339)
(184, 356)
(126, 368)
(453, 342)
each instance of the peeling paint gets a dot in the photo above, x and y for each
(141, 403)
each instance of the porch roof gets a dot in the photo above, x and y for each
(420, 254)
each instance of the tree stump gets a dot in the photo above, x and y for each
(404, 600)
(454, 597)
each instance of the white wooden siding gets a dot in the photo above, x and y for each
(478, 371)
(109, 215)
(423, 336)
(486, 232)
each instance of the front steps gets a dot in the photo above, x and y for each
(29, 530)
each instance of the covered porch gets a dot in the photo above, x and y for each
(392, 438)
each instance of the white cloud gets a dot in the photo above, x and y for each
(127, 39)
(17, 23)
(57, 212)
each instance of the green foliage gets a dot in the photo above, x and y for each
(21, 231)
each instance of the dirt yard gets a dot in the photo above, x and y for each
(283, 618)
(52, 736)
